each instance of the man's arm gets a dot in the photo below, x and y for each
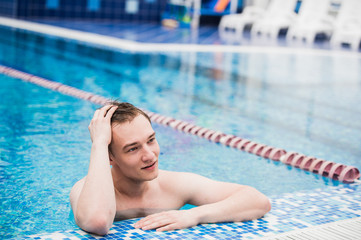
(93, 198)
(216, 201)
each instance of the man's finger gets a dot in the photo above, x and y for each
(110, 112)
(154, 220)
(146, 219)
(104, 110)
(169, 227)
(157, 223)
(96, 113)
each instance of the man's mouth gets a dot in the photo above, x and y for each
(149, 166)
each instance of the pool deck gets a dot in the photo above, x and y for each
(156, 38)
(291, 211)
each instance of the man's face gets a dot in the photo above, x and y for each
(135, 150)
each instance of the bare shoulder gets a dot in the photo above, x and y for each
(183, 177)
(172, 177)
(78, 184)
(76, 190)
(186, 181)
(194, 188)
(177, 183)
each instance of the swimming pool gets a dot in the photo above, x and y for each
(305, 103)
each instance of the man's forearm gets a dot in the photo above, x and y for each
(245, 204)
(96, 204)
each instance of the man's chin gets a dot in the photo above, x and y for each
(152, 172)
(153, 175)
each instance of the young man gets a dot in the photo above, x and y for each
(123, 138)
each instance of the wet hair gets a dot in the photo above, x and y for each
(126, 112)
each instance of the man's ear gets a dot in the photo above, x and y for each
(111, 157)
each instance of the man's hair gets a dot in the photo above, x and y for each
(126, 112)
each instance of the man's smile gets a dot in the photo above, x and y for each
(150, 167)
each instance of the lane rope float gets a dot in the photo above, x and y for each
(337, 171)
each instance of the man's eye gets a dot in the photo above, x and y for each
(151, 140)
(132, 149)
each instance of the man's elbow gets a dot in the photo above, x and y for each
(261, 203)
(98, 224)
(266, 205)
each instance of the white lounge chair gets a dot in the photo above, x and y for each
(312, 19)
(347, 28)
(232, 26)
(279, 15)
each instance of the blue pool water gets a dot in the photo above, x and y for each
(299, 102)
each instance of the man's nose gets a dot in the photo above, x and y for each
(148, 154)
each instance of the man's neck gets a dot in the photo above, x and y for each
(130, 187)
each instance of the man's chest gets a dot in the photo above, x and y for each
(127, 208)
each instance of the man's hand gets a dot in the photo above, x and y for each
(100, 127)
(216, 202)
(169, 220)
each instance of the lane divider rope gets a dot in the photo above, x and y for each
(322, 167)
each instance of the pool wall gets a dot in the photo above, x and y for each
(95, 10)
(289, 212)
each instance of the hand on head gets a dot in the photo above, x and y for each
(100, 125)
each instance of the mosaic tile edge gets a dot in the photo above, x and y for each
(291, 211)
